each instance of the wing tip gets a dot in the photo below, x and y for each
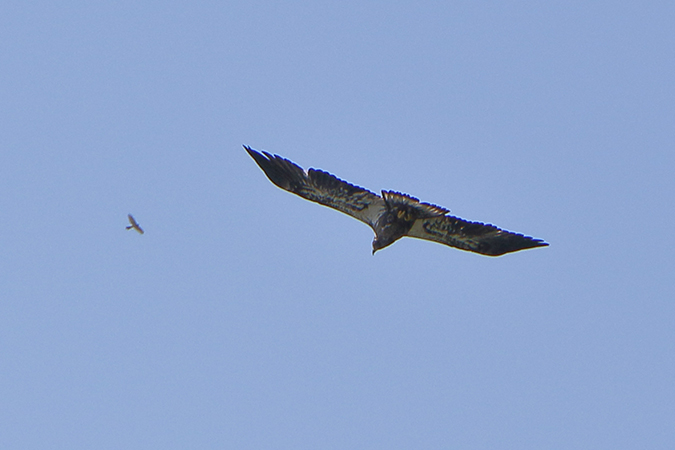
(280, 171)
(521, 242)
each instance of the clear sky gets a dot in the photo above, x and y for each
(248, 318)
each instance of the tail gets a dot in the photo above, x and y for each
(129, 227)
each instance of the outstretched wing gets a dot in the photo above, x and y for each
(472, 236)
(320, 187)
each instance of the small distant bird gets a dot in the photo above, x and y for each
(134, 224)
(392, 216)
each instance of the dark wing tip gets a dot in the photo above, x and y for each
(508, 242)
(282, 172)
(257, 157)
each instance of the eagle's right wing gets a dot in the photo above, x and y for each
(472, 236)
(321, 187)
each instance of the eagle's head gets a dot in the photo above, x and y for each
(390, 227)
(380, 242)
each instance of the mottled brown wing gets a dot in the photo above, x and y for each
(320, 187)
(472, 236)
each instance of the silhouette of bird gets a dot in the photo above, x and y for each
(393, 215)
(134, 224)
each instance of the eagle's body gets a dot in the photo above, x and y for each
(134, 224)
(393, 215)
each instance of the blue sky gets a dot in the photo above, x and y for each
(248, 318)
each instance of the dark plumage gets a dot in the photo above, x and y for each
(394, 215)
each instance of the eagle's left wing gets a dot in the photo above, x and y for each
(321, 187)
(472, 236)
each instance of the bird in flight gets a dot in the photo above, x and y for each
(134, 224)
(393, 215)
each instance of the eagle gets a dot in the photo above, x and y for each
(393, 215)
(134, 224)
